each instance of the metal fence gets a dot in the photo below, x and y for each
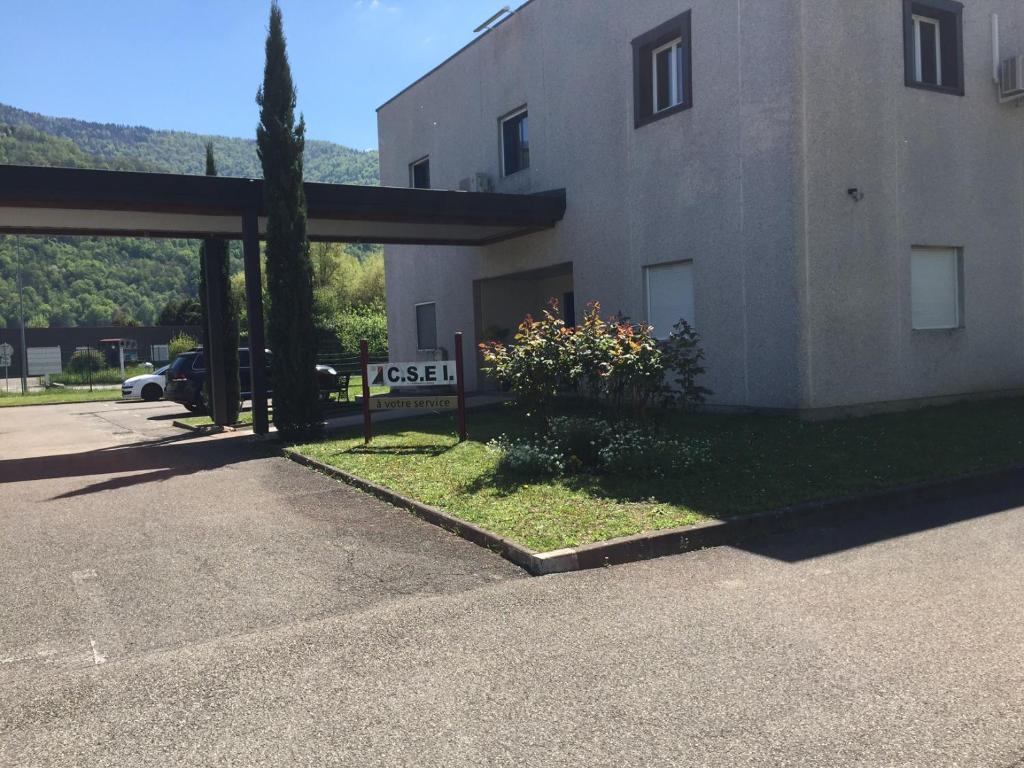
(350, 364)
(93, 366)
(105, 365)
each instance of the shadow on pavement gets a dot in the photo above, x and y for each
(154, 460)
(182, 414)
(888, 521)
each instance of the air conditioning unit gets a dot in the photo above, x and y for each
(479, 182)
(1011, 79)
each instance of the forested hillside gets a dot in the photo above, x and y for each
(24, 145)
(89, 281)
(94, 281)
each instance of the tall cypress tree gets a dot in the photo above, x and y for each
(225, 325)
(290, 331)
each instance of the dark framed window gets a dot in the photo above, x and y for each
(515, 142)
(426, 327)
(933, 45)
(419, 174)
(662, 71)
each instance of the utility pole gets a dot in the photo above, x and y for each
(21, 313)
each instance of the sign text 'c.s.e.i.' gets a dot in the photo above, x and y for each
(395, 375)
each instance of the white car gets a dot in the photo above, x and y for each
(148, 386)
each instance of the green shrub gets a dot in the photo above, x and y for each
(370, 323)
(607, 359)
(638, 370)
(538, 365)
(86, 361)
(683, 358)
(180, 343)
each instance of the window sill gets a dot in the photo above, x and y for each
(956, 90)
(938, 331)
(653, 118)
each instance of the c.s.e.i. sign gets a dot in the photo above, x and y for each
(396, 375)
(445, 373)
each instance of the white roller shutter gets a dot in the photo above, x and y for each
(935, 288)
(669, 296)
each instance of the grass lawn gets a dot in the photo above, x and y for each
(759, 463)
(355, 389)
(56, 396)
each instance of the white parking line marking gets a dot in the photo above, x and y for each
(104, 638)
(97, 657)
(30, 657)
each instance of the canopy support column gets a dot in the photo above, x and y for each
(213, 273)
(254, 311)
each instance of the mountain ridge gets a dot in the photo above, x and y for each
(184, 152)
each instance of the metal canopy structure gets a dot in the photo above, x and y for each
(74, 201)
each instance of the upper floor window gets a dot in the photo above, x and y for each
(933, 45)
(662, 80)
(515, 142)
(419, 174)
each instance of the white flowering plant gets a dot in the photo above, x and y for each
(639, 453)
(580, 439)
(586, 445)
(532, 457)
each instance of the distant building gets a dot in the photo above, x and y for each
(144, 344)
(831, 192)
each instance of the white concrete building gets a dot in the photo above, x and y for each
(832, 192)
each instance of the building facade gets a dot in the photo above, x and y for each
(831, 192)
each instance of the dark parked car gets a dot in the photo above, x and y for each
(186, 377)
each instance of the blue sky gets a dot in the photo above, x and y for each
(195, 65)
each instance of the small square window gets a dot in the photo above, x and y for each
(670, 298)
(515, 142)
(419, 174)
(426, 327)
(933, 45)
(936, 288)
(662, 80)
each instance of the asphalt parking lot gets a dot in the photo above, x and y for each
(174, 600)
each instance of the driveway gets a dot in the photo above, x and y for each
(173, 601)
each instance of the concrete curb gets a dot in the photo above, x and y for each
(510, 550)
(674, 541)
(66, 402)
